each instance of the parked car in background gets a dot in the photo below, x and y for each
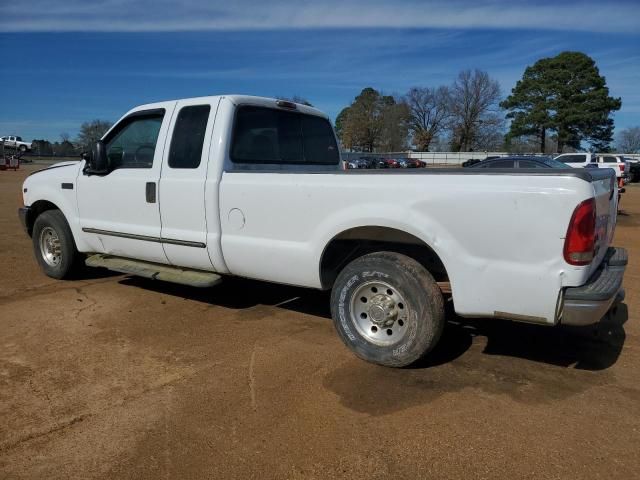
(520, 162)
(388, 163)
(12, 141)
(412, 163)
(471, 162)
(602, 160)
(367, 162)
(351, 164)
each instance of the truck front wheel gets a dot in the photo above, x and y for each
(387, 309)
(53, 245)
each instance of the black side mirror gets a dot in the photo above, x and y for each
(97, 161)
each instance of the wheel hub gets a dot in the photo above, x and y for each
(379, 312)
(382, 311)
(50, 247)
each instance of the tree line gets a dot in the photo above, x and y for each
(90, 132)
(559, 104)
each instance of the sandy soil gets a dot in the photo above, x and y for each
(115, 377)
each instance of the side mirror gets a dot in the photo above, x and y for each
(97, 161)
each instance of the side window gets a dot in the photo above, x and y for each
(610, 159)
(269, 136)
(573, 158)
(499, 164)
(530, 164)
(134, 144)
(188, 137)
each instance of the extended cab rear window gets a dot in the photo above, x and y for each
(268, 136)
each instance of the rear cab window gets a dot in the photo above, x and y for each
(268, 136)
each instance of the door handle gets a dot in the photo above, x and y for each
(150, 192)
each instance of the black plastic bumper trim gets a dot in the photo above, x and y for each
(605, 283)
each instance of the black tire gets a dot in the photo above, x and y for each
(417, 327)
(68, 257)
(23, 148)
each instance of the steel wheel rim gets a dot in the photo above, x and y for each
(379, 313)
(50, 248)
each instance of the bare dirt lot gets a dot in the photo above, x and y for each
(115, 377)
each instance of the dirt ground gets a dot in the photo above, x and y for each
(115, 377)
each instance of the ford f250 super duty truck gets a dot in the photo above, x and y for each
(190, 191)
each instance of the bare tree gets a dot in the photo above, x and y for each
(428, 114)
(629, 140)
(395, 125)
(474, 109)
(91, 132)
(489, 133)
(65, 137)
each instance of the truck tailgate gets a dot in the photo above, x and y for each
(606, 197)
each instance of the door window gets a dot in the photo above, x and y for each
(499, 164)
(188, 137)
(134, 144)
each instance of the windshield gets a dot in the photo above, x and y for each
(554, 163)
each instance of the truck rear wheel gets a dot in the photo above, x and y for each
(387, 309)
(54, 246)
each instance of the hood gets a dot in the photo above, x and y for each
(57, 165)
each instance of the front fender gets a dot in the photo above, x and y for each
(57, 185)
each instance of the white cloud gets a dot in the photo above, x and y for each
(190, 15)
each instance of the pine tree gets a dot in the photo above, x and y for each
(566, 95)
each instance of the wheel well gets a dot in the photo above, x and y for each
(36, 209)
(354, 243)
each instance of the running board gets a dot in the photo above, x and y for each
(154, 271)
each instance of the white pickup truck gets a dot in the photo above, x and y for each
(12, 141)
(190, 191)
(599, 160)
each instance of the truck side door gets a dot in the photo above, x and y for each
(119, 212)
(183, 184)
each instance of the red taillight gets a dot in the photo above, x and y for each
(579, 244)
(622, 167)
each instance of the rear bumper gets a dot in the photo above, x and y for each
(587, 304)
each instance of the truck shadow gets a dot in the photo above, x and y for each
(489, 359)
(584, 348)
(587, 348)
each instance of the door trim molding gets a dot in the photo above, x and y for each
(145, 238)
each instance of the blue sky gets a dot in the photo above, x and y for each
(67, 61)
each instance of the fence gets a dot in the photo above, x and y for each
(444, 158)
